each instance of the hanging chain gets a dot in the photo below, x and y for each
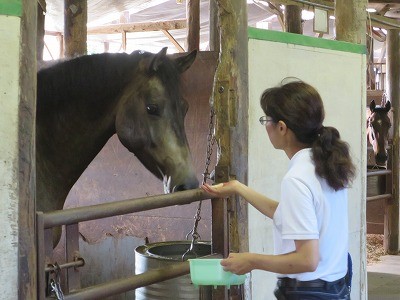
(55, 283)
(206, 176)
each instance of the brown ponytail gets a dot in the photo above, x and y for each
(300, 106)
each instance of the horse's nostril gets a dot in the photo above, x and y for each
(180, 188)
(192, 184)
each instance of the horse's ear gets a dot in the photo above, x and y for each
(372, 105)
(157, 60)
(387, 106)
(184, 62)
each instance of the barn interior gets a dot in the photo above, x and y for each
(125, 26)
(107, 247)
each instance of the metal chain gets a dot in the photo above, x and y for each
(206, 176)
(55, 283)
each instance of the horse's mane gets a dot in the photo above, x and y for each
(97, 77)
(89, 82)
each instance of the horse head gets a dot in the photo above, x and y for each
(150, 120)
(378, 125)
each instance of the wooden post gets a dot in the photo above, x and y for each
(350, 19)
(293, 22)
(370, 64)
(41, 9)
(193, 19)
(17, 154)
(229, 81)
(391, 228)
(214, 30)
(75, 31)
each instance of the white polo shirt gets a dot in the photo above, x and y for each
(310, 209)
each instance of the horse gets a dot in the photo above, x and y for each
(378, 125)
(84, 101)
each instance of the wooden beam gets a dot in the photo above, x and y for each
(173, 41)
(193, 20)
(123, 41)
(383, 1)
(24, 166)
(350, 19)
(391, 229)
(376, 20)
(75, 30)
(40, 31)
(138, 27)
(293, 22)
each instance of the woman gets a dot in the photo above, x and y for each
(310, 221)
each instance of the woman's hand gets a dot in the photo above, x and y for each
(238, 263)
(221, 190)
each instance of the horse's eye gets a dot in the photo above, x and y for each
(152, 109)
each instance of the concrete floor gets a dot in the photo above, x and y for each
(384, 279)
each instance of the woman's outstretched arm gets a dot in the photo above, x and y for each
(262, 203)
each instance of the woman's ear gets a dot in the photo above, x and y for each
(282, 127)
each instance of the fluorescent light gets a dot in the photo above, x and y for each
(371, 10)
(307, 15)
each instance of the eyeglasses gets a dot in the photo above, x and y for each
(265, 119)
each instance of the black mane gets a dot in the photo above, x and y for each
(96, 78)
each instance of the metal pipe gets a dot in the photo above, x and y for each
(92, 212)
(80, 262)
(379, 197)
(378, 173)
(119, 286)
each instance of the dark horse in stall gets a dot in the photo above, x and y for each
(82, 102)
(378, 125)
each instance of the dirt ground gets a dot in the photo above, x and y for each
(374, 248)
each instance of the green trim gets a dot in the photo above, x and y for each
(299, 39)
(11, 7)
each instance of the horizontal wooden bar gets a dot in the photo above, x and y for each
(119, 286)
(379, 197)
(115, 208)
(138, 27)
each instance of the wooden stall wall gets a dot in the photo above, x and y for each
(108, 245)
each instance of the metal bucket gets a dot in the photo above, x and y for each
(160, 255)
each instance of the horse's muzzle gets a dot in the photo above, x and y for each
(187, 185)
(381, 158)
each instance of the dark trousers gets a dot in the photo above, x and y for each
(320, 290)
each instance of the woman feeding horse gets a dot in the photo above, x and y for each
(311, 218)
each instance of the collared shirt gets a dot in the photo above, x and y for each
(310, 209)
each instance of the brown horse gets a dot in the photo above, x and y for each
(82, 102)
(378, 125)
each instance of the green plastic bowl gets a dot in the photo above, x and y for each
(210, 272)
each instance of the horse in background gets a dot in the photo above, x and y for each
(84, 101)
(378, 125)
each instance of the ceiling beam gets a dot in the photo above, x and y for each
(384, 1)
(376, 20)
(137, 27)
